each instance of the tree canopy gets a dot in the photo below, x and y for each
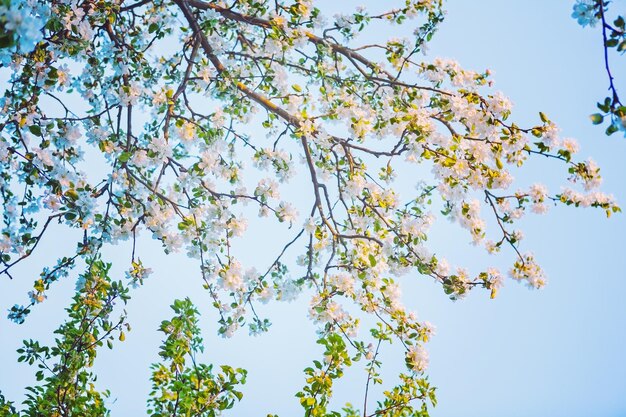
(183, 120)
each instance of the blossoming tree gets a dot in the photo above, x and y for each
(175, 99)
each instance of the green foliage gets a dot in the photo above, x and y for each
(6, 408)
(67, 385)
(181, 385)
(315, 396)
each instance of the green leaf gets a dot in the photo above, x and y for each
(124, 157)
(7, 40)
(35, 130)
(611, 129)
(596, 118)
(372, 259)
(606, 106)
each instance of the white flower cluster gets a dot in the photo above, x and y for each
(585, 12)
(25, 20)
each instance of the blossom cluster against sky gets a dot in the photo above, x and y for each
(554, 352)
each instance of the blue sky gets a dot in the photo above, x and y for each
(554, 352)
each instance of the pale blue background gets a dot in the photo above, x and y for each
(556, 352)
